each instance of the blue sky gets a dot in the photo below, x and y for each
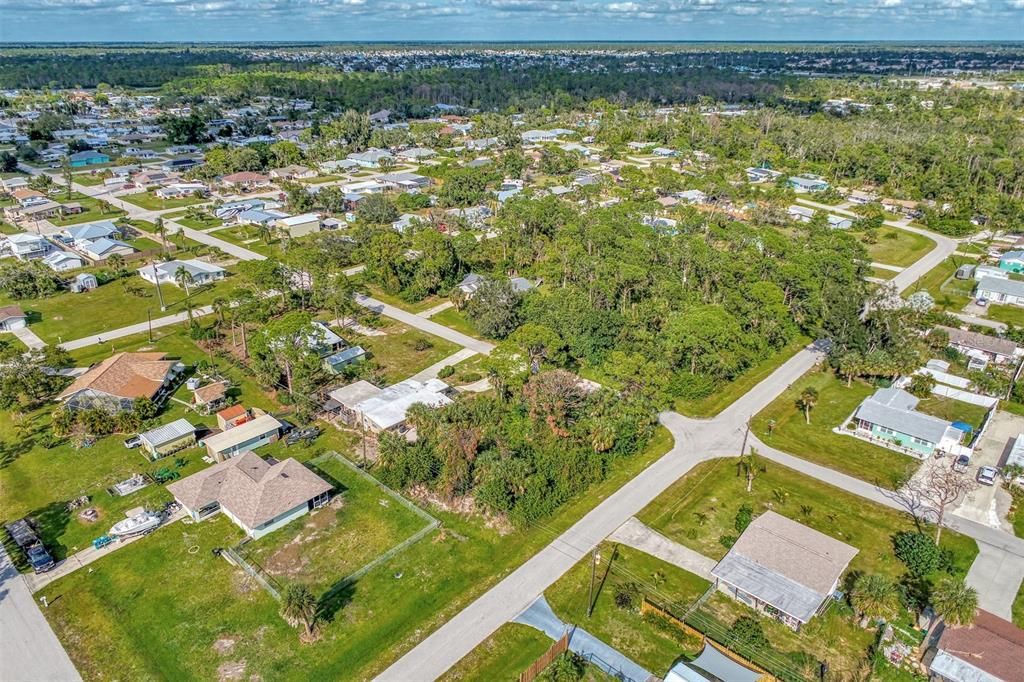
(146, 20)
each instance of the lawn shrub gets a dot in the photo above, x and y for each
(917, 551)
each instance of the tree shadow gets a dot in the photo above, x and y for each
(336, 598)
(51, 521)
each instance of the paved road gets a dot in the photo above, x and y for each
(423, 324)
(29, 651)
(140, 328)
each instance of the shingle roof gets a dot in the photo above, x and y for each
(889, 407)
(997, 285)
(785, 563)
(211, 392)
(251, 489)
(983, 342)
(991, 644)
(125, 375)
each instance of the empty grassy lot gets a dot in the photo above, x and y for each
(894, 246)
(816, 441)
(151, 202)
(949, 293)
(1010, 314)
(502, 656)
(456, 320)
(154, 594)
(403, 351)
(92, 210)
(728, 393)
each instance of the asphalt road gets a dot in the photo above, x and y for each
(29, 651)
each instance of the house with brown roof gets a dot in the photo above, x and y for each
(991, 348)
(990, 650)
(783, 569)
(114, 384)
(12, 317)
(258, 495)
(211, 397)
(245, 179)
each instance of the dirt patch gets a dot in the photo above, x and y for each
(290, 560)
(232, 670)
(244, 583)
(466, 506)
(224, 645)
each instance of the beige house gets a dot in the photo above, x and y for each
(299, 225)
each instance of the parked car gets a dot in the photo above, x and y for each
(39, 558)
(987, 475)
(132, 442)
(961, 463)
(982, 302)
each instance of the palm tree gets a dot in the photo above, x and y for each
(116, 261)
(298, 605)
(65, 169)
(955, 601)
(874, 596)
(162, 231)
(808, 399)
(183, 278)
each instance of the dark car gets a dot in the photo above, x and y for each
(961, 463)
(39, 558)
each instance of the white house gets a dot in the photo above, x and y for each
(1009, 291)
(12, 317)
(299, 225)
(62, 261)
(25, 246)
(166, 272)
(371, 158)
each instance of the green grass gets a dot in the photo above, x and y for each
(396, 353)
(455, 320)
(69, 316)
(953, 410)
(898, 247)
(202, 222)
(417, 307)
(155, 595)
(502, 656)
(701, 507)
(322, 548)
(1010, 314)
(88, 179)
(91, 210)
(881, 273)
(728, 393)
(647, 641)
(816, 441)
(321, 179)
(1018, 607)
(151, 202)
(243, 235)
(949, 293)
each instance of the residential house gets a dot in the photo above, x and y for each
(759, 175)
(211, 397)
(407, 182)
(114, 384)
(230, 417)
(995, 290)
(783, 569)
(299, 225)
(838, 222)
(470, 283)
(345, 400)
(26, 246)
(28, 197)
(980, 272)
(405, 221)
(13, 183)
(714, 664)
(1012, 261)
(104, 248)
(245, 436)
(999, 351)
(521, 285)
(888, 417)
(692, 196)
(168, 438)
(807, 183)
(860, 197)
(62, 261)
(259, 496)
(166, 272)
(180, 165)
(245, 180)
(989, 650)
(179, 190)
(370, 158)
(82, 235)
(39, 211)
(386, 410)
(416, 154)
(233, 208)
(338, 166)
(908, 209)
(293, 172)
(87, 158)
(148, 179)
(259, 216)
(12, 317)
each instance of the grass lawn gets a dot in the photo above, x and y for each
(880, 273)
(1010, 314)
(144, 244)
(139, 224)
(320, 549)
(155, 611)
(457, 321)
(247, 237)
(728, 393)
(502, 656)
(396, 352)
(953, 410)
(417, 307)
(898, 247)
(816, 441)
(70, 316)
(203, 222)
(88, 179)
(949, 293)
(91, 210)
(650, 642)
(321, 179)
(151, 202)
(1018, 608)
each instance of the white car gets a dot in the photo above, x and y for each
(987, 475)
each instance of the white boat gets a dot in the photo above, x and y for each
(136, 525)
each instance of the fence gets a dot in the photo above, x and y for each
(265, 580)
(546, 659)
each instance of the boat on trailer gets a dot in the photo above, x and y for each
(135, 525)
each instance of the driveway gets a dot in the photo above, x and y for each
(990, 504)
(634, 533)
(29, 651)
(996, 575)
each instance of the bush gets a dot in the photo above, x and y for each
(446, 372)
(569, 667)
(918, 552)
(470, 377)
(744, 516)
(422, 344)
(627, 596)
(747, 632)
(727, 541)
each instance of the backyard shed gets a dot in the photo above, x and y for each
(169, 438)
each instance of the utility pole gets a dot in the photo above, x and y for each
(149, 320)
(595, 557)
(746, 434)
(160, 294)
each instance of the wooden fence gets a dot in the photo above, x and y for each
(546, 659)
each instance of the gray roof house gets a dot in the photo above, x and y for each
(889, 416)
(1001, 290)
(995, 349)
(783, 568)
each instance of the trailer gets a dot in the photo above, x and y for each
(25, 537)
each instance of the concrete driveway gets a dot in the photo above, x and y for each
(996, 575)
(990, 504)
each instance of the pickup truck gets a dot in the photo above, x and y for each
(23, 535)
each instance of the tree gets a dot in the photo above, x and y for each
(940, 487)
(921, 385)
(748, 465)
(494, 309)
(917, 551)
(875, 596)
(554, 397)
(851, 365)
(377, 209)
(955, 601)
(807, 401)
(298, 605)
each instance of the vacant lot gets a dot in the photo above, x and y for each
(782, 425)
(1010, 314)
(894, 246)
(154, 595)
(454, 319)
(502, 656)
(151, 202)
(403, 351)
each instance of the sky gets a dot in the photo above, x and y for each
(440, 20)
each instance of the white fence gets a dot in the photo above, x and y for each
(964, 396)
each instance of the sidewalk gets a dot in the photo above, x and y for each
(29, 338)
(633, 533)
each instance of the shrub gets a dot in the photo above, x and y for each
(727, 541)
(569, 667)
(627, 596)
(917, 551)
(747, 632)
(470, 377)
(422, 344)
(446, 372)
(744, 516)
